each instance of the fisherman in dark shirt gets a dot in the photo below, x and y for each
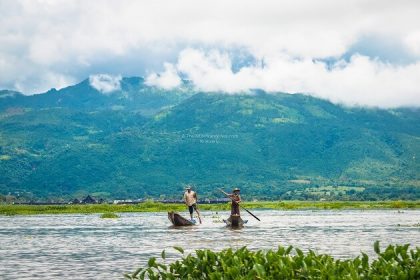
(236, 199)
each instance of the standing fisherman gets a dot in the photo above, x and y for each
(190, 199)
(236, 199)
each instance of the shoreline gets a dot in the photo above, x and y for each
(149, 206)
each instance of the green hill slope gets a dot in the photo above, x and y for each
(148, 142)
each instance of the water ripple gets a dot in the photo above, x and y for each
(88, 247)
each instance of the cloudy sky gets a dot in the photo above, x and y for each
(359, 52)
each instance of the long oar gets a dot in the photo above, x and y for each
(240, 205)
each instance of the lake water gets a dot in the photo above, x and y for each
(88, 247)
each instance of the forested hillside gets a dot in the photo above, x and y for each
(141, 141)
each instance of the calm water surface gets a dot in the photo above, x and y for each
(88, 247)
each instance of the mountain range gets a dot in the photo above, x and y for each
(142, 141)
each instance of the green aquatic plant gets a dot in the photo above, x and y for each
(395, 262)
(398, 204)
(109, 215)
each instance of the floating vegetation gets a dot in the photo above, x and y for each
(217, 218)
(409, 225)
(110, 215)
(151, 206)
(396, 262)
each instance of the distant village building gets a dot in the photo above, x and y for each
(217, 200)
(89, 200)
(75, 201)
(128, 201)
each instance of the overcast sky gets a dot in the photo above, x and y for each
(357, 52)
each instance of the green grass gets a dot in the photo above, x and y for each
(291, 205)
(149, 206)
(396, 262)
(87, 208)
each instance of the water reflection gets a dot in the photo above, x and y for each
(86, 246)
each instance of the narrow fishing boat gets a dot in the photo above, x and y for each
(235, 221)
(178, 220)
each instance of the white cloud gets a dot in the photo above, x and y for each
(35, 84)
(413, 42)
(105, 83)
(72, 39)
(168, 79)
(360, 81)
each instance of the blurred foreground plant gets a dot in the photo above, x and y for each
(396, 262)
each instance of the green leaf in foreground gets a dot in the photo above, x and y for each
(376, 247)
(396, 262)
(179, 249)
(152, 262)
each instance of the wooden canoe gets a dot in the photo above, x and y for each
(178, 220)
(235, 221)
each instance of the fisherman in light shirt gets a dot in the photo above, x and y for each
(190, 199)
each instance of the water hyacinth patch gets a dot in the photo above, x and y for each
(396, 262)
(109, 215)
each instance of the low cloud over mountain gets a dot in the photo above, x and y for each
(366, 53)
(360, 81)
